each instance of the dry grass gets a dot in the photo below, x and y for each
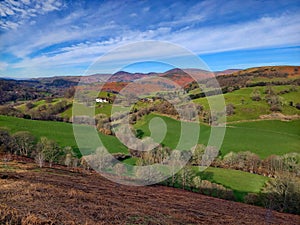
(58, 196)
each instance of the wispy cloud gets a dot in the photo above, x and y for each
(206, 40)
(43, 35)
(15, 13)
(263, 32)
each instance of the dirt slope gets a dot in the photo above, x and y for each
(29, 195)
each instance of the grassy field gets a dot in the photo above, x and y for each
(104, 108)
(263, 138)
(173, 131)
(238, 181)
(62, 133)
(247, 109)
(22, 107)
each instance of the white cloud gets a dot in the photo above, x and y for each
(26, 2)
(264, 32)
(84, 52)
(15, 13)
(47, 45)
(133, 15)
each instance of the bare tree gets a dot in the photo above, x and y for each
(185, 176)
(49, 149)
(175, 163)
(211, 152)
(198, 152)
(68, 160)
(40, 158)
(120, 169)
(100, 159)
(24, 142)
(197, 182)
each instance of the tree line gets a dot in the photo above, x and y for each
(281, 192)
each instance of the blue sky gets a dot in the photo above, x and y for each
(57, 37)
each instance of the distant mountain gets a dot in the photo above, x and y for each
(123, 76)
(180, 76)
(56, 86)
(225, 72)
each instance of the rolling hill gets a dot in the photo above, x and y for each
(30, 195)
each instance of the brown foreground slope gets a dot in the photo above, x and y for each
(29, 195)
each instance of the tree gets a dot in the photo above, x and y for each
(198, 154)
(24, 142)
(100, 159)
(230, 159)
(174, 163)
(197, 182)
(255, 95)
(291, 162)
(283, 193)
(49, 149)
(120, 169)
(68, 160)
(40, 158)
(185, 176)
(70, 92)
(71, 158)
(211, 152)
(229, 109)
(148, 174)
(253, 162)
(273, 164)
(5, 141)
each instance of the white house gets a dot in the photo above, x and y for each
(101, 100)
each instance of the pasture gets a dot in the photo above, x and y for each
(263, 138)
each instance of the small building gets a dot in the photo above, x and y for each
(101, 100)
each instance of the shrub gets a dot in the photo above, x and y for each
(252, 199)
(255, 95)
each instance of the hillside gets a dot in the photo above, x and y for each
(268, 137)
(263, 138)
(245, 108)
(270, 71)
(16, 90)
(261, 76)
(30, 195)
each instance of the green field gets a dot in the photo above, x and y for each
(104, 108)
(247, 109)
(22, 107)
(263, 138)
(241, 183)
(235, 179)
(62, 133)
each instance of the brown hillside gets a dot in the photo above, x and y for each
(29, 195)
(289, 71)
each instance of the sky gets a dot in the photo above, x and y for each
(64, 37)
